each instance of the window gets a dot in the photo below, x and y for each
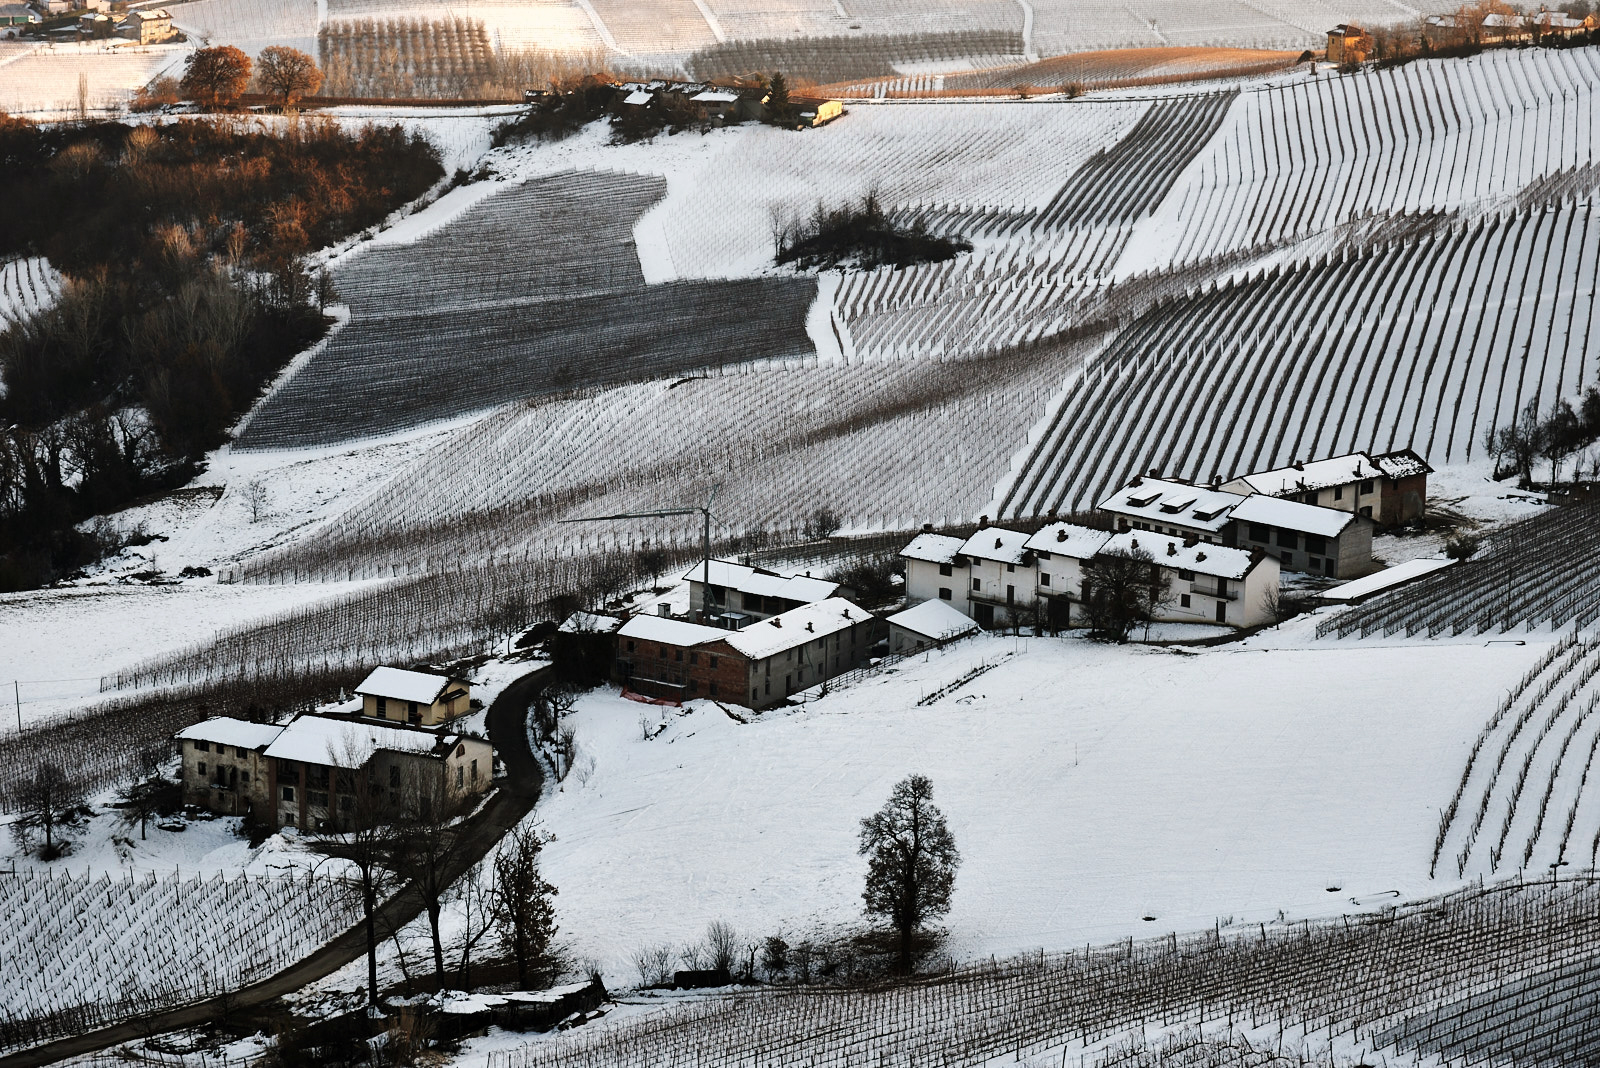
(694, 686)
(1287, 538)
(630, 645)
(713, 689)
(411, 712)
(202, 767)
(977, 584)
(1010, 568)
(1338, 493)
(383, 706)
(202, 747)
(317, 776)
(394, 775)
(461, 776)
(1185, 576)
(1183, 600)
(679, 657)
(694, 658)
(1011, 594)
(1366, 510)
(239, 753)
(288, 793)
(1260, 532)
(244, 776)
(1366, 486)
(1316, 543)
(754, 695)
(1044, 578)
(317, 798)
(1222, 611)
(944, 593)
(347, 804)
(946, 569)
(1286, 559)
(474, 771)
(461, 750)
(713, 661)
(345, 781)
(663, 651)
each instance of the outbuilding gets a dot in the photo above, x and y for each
(1304, 537)
(926, 626)
(419, 698)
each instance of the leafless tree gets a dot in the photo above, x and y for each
(427, 844)
(44, 803)
(1122, 589)
(524, 906)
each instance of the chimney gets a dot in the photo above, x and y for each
(776, 622)
(999, 542)
(983, 522)
(1136, 483)
(1190, 540)
(927, 528)
(1061, 535)
(1199, 557)
(1298, 466)
(809, 627)
(664, 610)
(1172, 548)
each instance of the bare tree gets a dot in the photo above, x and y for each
(145, 799)
(428, 843)
(255, 494)
(1121, 589)
(478, 911)
(911, 860)
(524, 908)
(44, 803)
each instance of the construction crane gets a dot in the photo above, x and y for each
(704, 511)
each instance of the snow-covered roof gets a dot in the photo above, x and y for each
(1402, 463)
(763, 583)
(1383, 580)
(933, 619)
(350, 743)
(1314, 475)
(795, 627)
(997, 543)
(1161, 501)
(713, 96)
(151, 13)
(1202, 558)
(1068, 539)
(1292, 515)
(638, 96)
(589, 623)
(933, 548)
(669, 631)
(225, 730)
(398, 684)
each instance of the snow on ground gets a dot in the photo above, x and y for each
(43, 83)
(58, 642)
(1088, 787)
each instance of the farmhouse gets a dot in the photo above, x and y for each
(1207, 583)
(927, 625)
(95, 26)
(1059, 552)
(1556, 24)
(1389, 488)
(936, 570)
(768, 660)
(732, 595)
(16, 14)
(150, 26)
(224, 767)
(414, 697)
(1168, 506)
(1349, 43)
(309, 774)
(999, 565)
(1304, 537)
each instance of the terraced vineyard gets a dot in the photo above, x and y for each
(533, 291)
(1423, 342)
(1485, 977)
(1536, 574)
(79, 952)
(1523, 801)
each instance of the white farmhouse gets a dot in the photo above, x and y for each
(1207, 583)
(1389, 488)
(1059, 552)
(732, 595)
(1000, 576)
(936, 570)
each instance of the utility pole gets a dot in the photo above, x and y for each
(704, 511)
(16, 691)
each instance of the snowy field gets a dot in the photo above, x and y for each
(1088, 788)
(43, 82)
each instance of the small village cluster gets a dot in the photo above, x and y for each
(99, 20)
(756, 638)
(1478, 25)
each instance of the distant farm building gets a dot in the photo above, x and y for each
(1168, 506)
(1304, 537)
(315, 772)
(151, 26)
(17, 14)
(1557, 24)
(766, 661)
(732, 595)
(1389, 488)
(815, 112)
(1349, 43)
(414, 697)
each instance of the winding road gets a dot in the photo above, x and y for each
(518, 793)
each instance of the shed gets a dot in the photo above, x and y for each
(927, 625)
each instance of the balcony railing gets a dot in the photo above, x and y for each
(1209, 591)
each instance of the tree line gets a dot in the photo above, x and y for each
(183, 249)
(1562, 434)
